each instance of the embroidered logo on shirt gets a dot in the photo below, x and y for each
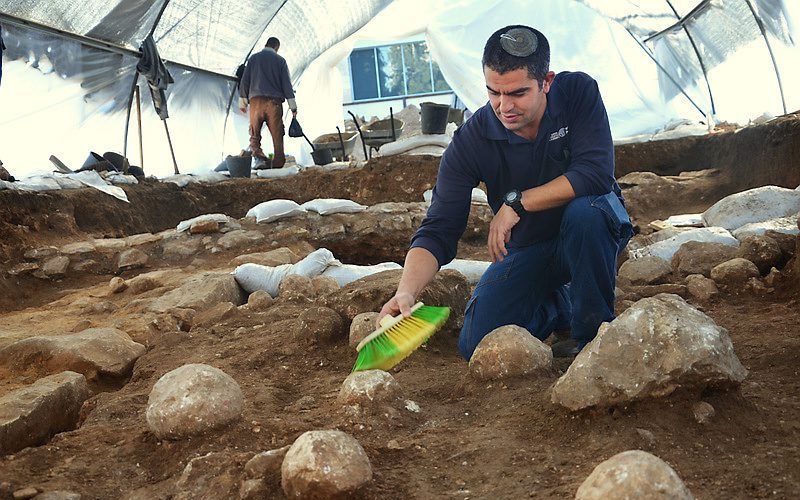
(558, 135)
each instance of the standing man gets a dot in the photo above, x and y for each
(542, 145)
(264, 86)
(2, 48)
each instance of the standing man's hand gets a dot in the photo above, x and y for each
(400, 303)
(294, 113)
(500, 232)
(243, 104)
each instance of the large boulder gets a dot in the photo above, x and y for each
(656, 346)
(193, 399)
(201, 292)
(95, 353)
(31, 415)
(510, 351)
(735, 272)
(647, 270)
(323, 465)
(667, 248)
(633, 474)
(698, 257)
(754, 205)
(762, 251)
(56, 267)
(132, 258)
(240, 238)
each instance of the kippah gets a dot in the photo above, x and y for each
(520, 42)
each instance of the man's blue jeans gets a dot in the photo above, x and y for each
(563, 283)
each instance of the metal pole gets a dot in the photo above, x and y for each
(139, 121)
(699, 58)
(128, 115)
(769, 49)
(171, 150)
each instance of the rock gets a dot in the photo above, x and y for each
(96, 352)
(184, 318)
(754, 205)
(141, 284)
(325, 465)
(701, 288)
(323, 285)
(56, 267)
(699, 257)
(179, 248)
(643, 291)
(216, 475)
(272, 258)
(362, 325)
(734, 272)
(509, 351)
(762, 251)
(25, 493)
(86, 266)
(319, 324)
(117, 285)
(294, 287)
(371, 390)
(240, 238)
(773, 278)
(633, 474)
(81, 326)
(645, 271)
(23, 268)
(448, 288)
(41, 253)
(656, 346)
(109, 244)
(702, 412)
(757, 287)
(214, 315)
(193, 399)
(786, 242)
(648, 437)
(77, 248)
(31, 415)
(142, 239)
(265, 464)
(58, 495)
(132, 258)
(200, 293)
(260, 301)
(204, 227)
(253, 489)
(667, 248)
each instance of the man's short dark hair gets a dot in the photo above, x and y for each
(497, 58)
(273, 42)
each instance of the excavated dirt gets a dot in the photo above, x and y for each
(469, 440)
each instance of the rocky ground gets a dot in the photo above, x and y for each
(112, 320)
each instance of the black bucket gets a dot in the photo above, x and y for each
(239, 166)
(322, 156)
(434, 117)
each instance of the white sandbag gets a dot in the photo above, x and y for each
(785, 225)
(471, 269)
(7, 185)
(426, 150)
(211, 177)
(413, 142)
(277, 173)
(327, 206)
(667, 248)
(314, 263)
(92, 179)
(252, 277)
(118, 178)
(273, 210)
(347, 273)
(182, 180)
(67, 183)
(754, 205)
(336, 165)
(38, 183)
(186, 224)
(685, 220)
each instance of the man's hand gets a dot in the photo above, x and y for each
(500, 232)
(294, 113)
(243, 105)
(400, 303)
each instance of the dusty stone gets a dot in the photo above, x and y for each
(323, 285)
(193, 399)
(56, 267)
(703, 412)
(648, 437)
(77, 248)
(40, 253)
(216, 475)
(142, 239)
(204, 227)
(141, 284)
(201, 293)
(96, 352)
(734, 272)
(240, 238)
(757, 287)
(272, 258)
(762, 251)
(370, 389)
(645, 271)
(23, 268)
(117, 285)
(260, 301)
(86, 266)
(325, 464)
(103, 306)
(633, 474)
(773, 278)
(253, 489)
(361, 326)
(58, 495)
(25, 493)
(30, 415)
(184, 318)
(132, 258)
(294, 287)
(266, 463)
(658, 345)
(81, 326)
(785, 241)
(216, 314)
(319, 324)
(509, 351)
(179, 248)
(699, 257)
(109, 244)
(701, 288)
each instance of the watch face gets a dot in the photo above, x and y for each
(511, 196)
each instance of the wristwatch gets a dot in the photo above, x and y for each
(513, 199)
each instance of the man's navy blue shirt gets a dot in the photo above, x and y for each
(573, 140)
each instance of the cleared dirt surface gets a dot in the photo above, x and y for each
(470, 439)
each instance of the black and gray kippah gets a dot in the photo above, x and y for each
(520, 42)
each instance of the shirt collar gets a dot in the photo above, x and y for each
(270, 49)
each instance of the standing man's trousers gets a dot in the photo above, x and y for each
(563, 283)
(270, 111)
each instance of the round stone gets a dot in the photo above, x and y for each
(509, 351)
(633, 474)
(363, 324)
(369, 388)
(319, 324)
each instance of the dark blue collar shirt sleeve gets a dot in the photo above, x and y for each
(574, 140)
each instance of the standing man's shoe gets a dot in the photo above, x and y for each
(566, 348)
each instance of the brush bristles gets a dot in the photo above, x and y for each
(396, 343)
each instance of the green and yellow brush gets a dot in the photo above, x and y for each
(398, 337)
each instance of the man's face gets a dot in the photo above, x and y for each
(517, 100)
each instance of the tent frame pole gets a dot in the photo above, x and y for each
(769, 49)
